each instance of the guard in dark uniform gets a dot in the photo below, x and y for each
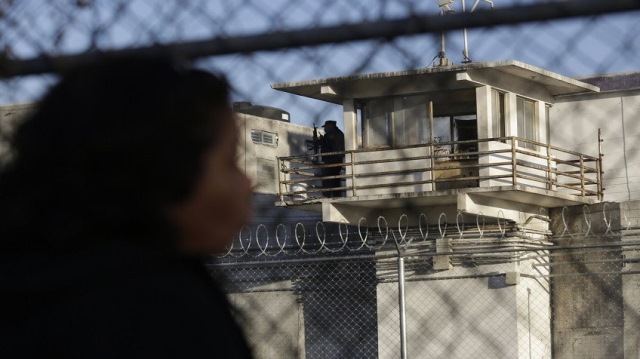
(332, 141)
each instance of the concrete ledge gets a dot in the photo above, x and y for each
(508, 202)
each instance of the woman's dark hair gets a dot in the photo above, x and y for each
(108, 149)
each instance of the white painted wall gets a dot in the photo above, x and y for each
(574, 123)
(273, 312)
(291, 141)
(394, 180)
(468, 317)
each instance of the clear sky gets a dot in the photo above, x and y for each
(570, 47)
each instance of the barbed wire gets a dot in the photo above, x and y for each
(260, 242)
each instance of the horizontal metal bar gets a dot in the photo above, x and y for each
(381, 29)
(578, 189)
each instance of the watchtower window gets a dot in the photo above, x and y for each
(527, 122)
(395, 121)
(447, 129)
(377, 119)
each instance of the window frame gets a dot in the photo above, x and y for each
(521, 122)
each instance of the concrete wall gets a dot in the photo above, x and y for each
(450, 314)
(259, 160)
(630, 217)
(575, 121)
(588, 313)
(276, 315)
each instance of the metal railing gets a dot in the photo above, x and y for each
(490, 162)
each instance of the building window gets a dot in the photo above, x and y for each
(377, 122)
(264, 138)
(498, 114)
(396, 122)
(409, 120)
(527, 122)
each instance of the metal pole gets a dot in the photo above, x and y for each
(279, 169)
(549, 169)
(514, 162)
(431, 148)
(465, 52)
(599, 167)
(442, 54)
(582, 175)
(353, 174)
(402, 308)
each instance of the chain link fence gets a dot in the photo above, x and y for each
(441, 290)
(257, 43)
(414, 285)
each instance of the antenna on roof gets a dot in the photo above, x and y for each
(465, 51)
(445, 8)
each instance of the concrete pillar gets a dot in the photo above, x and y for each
(484, 111)
(541, 121)
(511, 114)
(630, 213)
(350, 116)
(484, 117)
(586, 286)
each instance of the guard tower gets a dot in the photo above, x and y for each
(470, 138)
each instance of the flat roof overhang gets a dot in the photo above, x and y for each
(500, 74)
(508, 202)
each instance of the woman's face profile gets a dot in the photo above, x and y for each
(220, 202)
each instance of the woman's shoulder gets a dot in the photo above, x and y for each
(124, 301)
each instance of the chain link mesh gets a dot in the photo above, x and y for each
(506, 293)
(491, 291)
(33, 31)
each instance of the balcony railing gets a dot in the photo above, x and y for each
(437, 166)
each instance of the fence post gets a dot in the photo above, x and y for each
(514, 177)
(353, 174)
(549, 173)
(582, 175)
(599, 167)
(402, 308)
(431, 148)
(278, 166)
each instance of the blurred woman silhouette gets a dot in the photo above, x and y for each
(117, 186)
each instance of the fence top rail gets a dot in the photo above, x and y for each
(418, 23)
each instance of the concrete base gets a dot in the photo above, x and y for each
(513, 203)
